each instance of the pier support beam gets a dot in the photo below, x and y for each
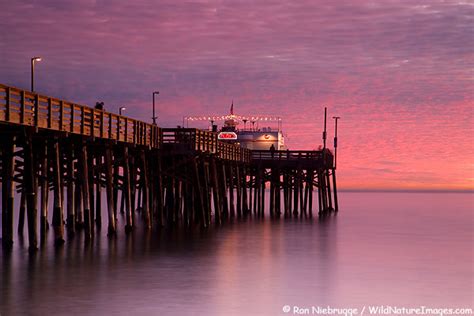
(84, 166)
(109, 187)
(31, 188)
(336, 204)
(58, 225)
(8, 187)
(126, 192)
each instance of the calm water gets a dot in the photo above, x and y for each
(404, 249)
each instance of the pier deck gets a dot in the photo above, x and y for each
(167, 175)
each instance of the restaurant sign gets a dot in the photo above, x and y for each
(227, 136)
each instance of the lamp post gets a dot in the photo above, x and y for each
(324, 132)
(122, 109)
(336, 205)
(33, 60)
(154, 116)
(336, 118)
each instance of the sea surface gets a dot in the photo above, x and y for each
(389, 249)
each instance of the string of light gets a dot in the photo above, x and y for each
(254, 118)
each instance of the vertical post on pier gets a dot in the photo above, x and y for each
(8, 188)
(22, 209)
(245, 205)
(145, 188)
(238, 189)
(31, 186)
(250, 187)
(336, 205)
(231, 190)
(85, 193)
(58, 196)
(116, 184)
(78, 196)
(285, 193)
(296, 192)
(109, 187)
(215, 191)
(186, 201)
(306, 194)
(301, 191)
(133, 184)
(70, 221)
(328, 184)
(291, 183)
(324, 132)
(151, 187)
(256, 198)
(207, 192)
(126, 191)
(320, 195)
(262, 193)
(310, 191)
(223, 187)
(169, 199)
(159, 190)
(44, 192)
(91, 169)
(278, 192)
(272, 193)
(98, 191)
(199, 193)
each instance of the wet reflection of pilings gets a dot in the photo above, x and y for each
(6, 281)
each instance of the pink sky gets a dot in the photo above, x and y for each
(399, 73)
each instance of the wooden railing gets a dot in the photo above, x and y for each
(28, 108)
(316, 156)
(204, 141)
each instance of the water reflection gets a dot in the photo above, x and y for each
(390, 253)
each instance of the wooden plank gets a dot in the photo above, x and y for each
(61, 115)
(8, 105)
(50, 113)
(22, 109)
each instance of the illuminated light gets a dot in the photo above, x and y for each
(227, 135)
(266, 136)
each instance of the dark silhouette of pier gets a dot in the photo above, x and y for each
(60, 150)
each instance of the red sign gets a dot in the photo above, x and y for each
(227, 135)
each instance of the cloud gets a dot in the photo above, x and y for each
(398, 72)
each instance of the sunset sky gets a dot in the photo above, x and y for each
(399, 73)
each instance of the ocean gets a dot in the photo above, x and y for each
(390, 250)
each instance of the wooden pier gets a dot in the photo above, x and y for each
(70, 154)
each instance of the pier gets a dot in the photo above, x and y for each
(70, 154)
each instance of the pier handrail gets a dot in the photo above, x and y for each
(303, 156)
(28, 108)
(205, 141)
(286, 154)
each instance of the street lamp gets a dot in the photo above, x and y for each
(33, 60)
(122, 109)
(154, 116)
(336, 118)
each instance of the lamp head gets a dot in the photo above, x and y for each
(37, 58)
